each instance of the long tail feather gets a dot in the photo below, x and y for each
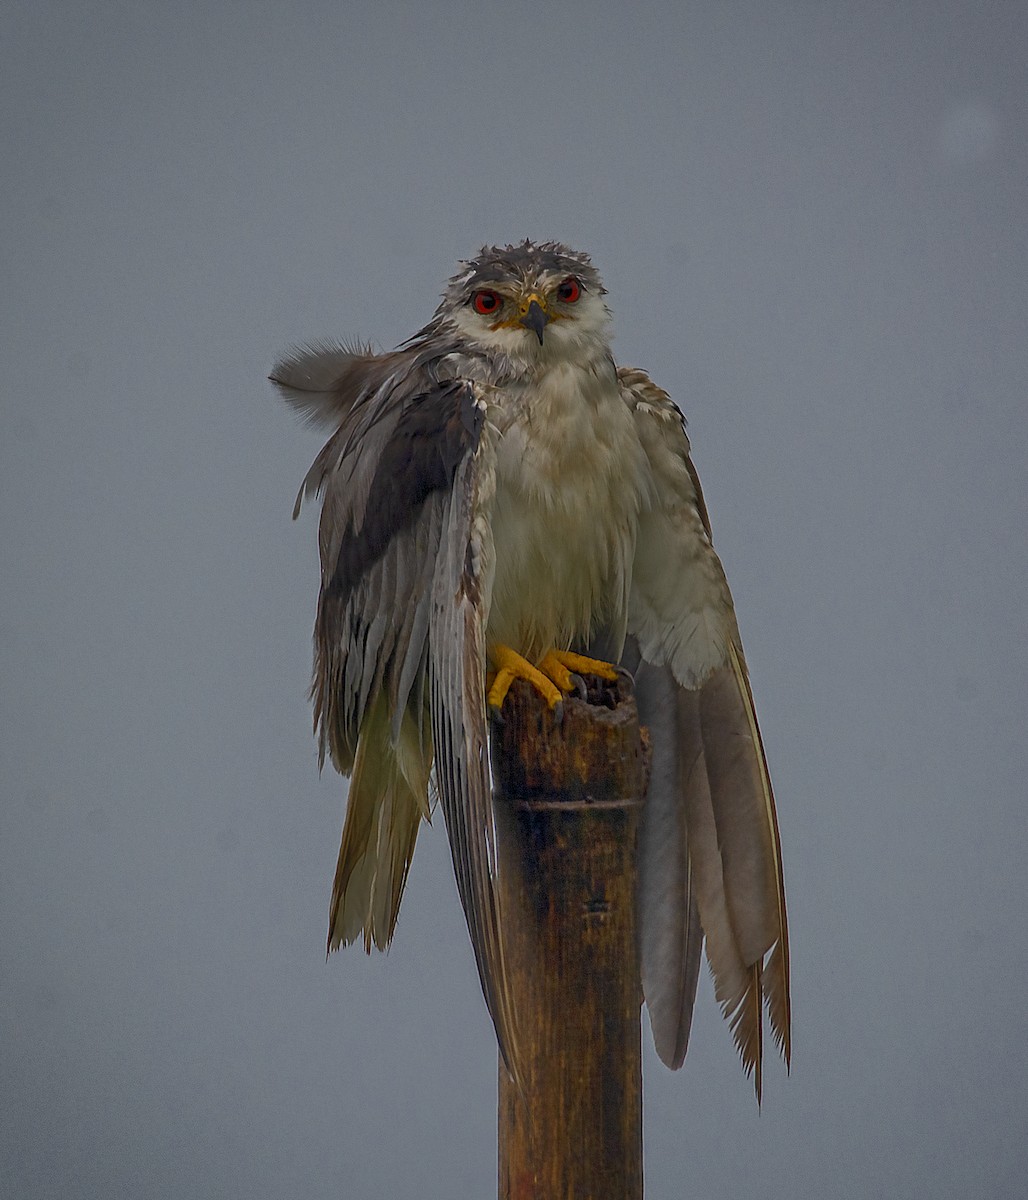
(736, 986)
(386, 803)
(748, 845)
(776, 981)
(670, 935)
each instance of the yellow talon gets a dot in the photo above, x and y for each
(550, 679)
(559, 665)
(510, 666)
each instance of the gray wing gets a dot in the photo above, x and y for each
(709, 844)
(385, 475)
(406, 558)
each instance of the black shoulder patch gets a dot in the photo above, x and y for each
(432, 437)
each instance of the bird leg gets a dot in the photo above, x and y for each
(551, 679)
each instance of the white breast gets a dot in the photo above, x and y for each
(571, 478)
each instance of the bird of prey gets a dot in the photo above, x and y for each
(502, 501)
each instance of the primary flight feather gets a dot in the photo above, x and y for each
(498, 497)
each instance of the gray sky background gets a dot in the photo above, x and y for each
(812, 221)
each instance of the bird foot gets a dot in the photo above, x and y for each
(557, 674)
(562, 667)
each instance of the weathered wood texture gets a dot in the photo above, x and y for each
(569, 798)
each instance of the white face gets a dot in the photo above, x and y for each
(551, 317)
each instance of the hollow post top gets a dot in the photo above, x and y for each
(595, 756)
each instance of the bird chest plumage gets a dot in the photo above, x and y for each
(570, 483)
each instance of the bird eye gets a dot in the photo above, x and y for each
(569, 290)
(486, 302)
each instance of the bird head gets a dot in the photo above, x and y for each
(528, 302)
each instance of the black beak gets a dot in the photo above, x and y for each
(535, 319)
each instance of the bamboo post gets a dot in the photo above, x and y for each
(569, 800)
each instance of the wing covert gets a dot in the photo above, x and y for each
(386, 474)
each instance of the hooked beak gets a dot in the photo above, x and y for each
(534, 317)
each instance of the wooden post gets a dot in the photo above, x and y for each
(569, 799)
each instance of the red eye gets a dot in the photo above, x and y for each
(569, 290)
(486, 302)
